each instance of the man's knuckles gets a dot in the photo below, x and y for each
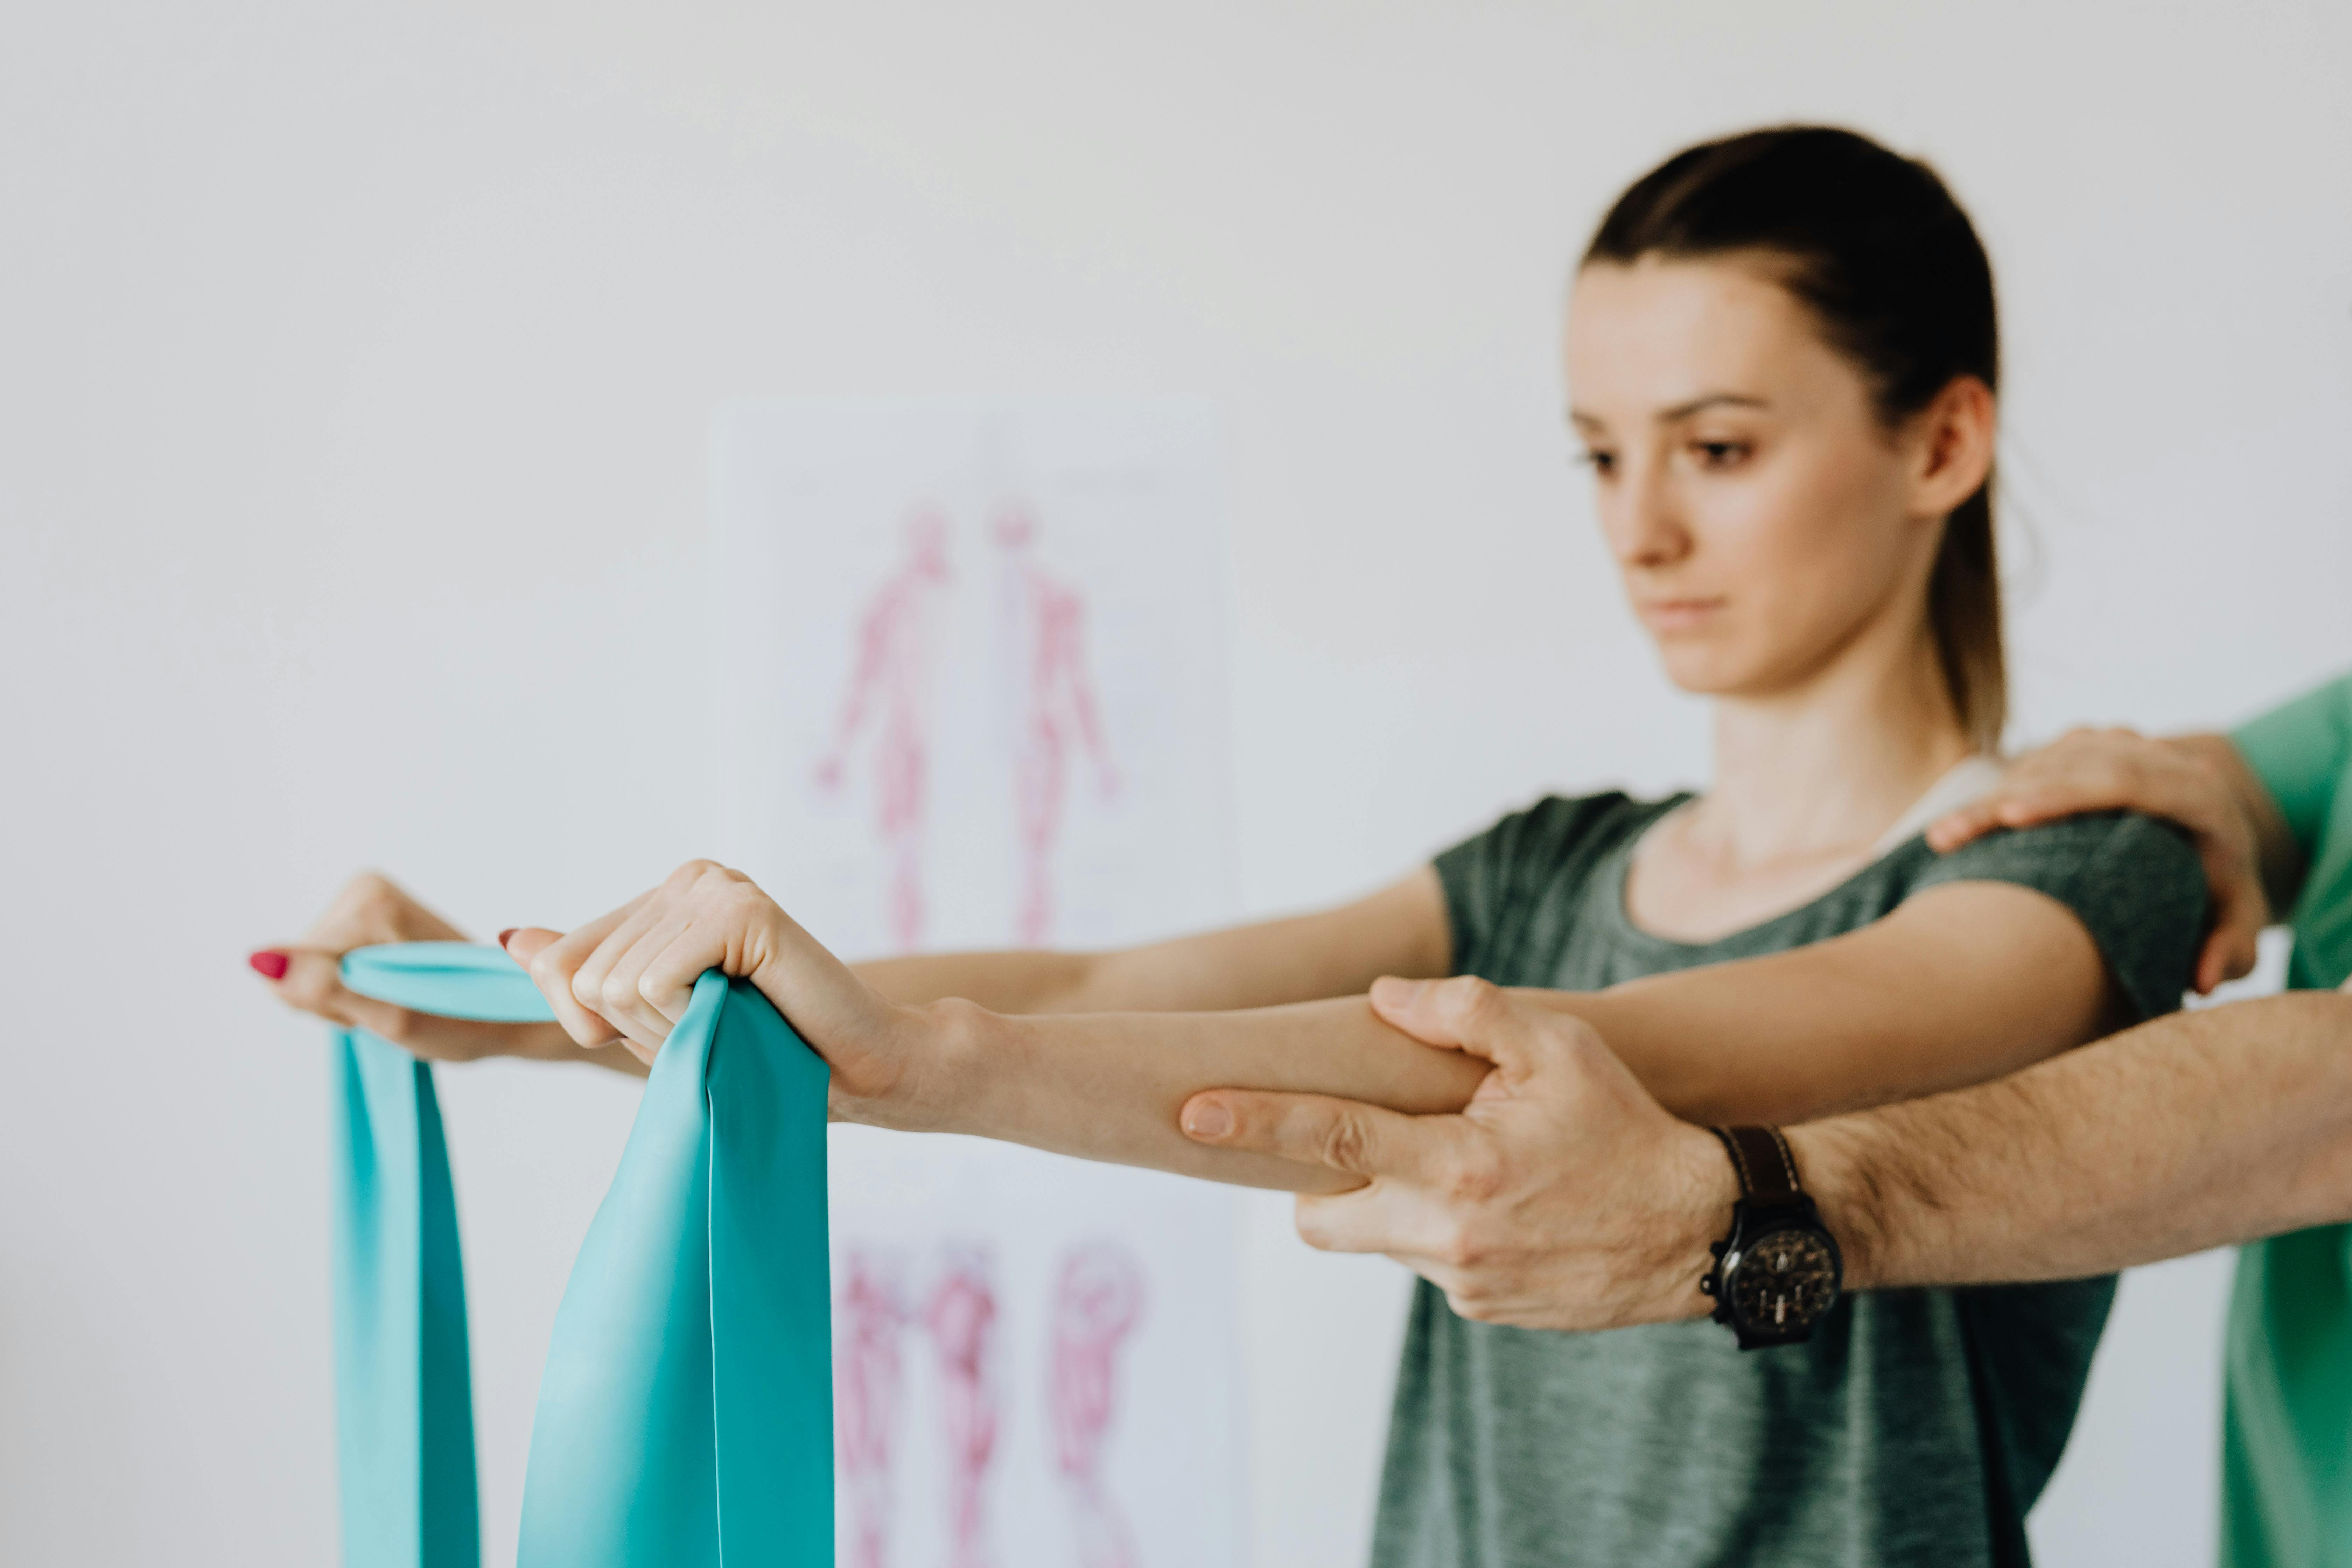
(1476, 1174)
(1339, 1139)
(1472, 1298)
(1466, 1245)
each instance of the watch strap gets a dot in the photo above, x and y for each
(1768, 1171)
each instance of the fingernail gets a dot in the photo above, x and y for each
(1391, 991)
(506, 933)
(1208, 1120)
(268, 963)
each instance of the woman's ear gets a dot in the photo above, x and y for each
(1954, 455)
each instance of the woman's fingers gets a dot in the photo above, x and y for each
(631, 976)
(645, 972)
(312, 980)
(554, 959)
(371, 909)
(655, 978)
(606, 981)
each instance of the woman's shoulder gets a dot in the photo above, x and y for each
(2099, 850)
(2135, 881)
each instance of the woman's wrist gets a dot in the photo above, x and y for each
(950, 1063)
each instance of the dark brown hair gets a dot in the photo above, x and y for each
(1894, 272)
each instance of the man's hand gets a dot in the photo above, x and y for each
(2194, 781)
(1562, 1197)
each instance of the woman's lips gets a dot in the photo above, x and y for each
(1678, 614)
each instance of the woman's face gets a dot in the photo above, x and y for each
(1760, 512)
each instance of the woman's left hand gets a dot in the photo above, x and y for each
(629, 975)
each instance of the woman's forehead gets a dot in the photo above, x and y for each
(1662, 334)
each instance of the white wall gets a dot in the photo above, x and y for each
(354, 371)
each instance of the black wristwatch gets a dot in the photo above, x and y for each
(1779, 1272)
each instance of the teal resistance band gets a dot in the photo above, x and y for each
(686, 1413)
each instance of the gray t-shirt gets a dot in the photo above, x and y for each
(1915, 1427)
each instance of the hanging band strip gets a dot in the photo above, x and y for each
(686, 1413)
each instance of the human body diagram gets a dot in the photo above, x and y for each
(890, 706)
(890, 697)
(1097, 1301)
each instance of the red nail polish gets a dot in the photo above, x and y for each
(506, 933)
(269, 964)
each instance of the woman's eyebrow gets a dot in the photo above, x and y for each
(1685, 410)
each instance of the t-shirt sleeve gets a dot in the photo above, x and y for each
(1494, 880)
(2134, 882)
(2301, 750)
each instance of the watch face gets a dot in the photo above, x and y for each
(1787, 1279)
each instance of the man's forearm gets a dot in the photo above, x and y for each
(2190, 1132)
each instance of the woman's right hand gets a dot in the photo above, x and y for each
(625, 980)
(372, 910)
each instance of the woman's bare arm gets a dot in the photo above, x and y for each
(1962, 984)
(1401, 930)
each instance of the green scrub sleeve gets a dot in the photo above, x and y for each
(2302, 752)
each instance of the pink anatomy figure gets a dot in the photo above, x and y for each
(898, 636)
(1097, 1302)
(962, 1320)
(1055, 707)
(866, 1381)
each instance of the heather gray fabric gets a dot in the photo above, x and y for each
(1916, 1426)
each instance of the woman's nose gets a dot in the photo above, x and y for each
(1644, 524)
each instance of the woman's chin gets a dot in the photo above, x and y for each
(1705, 672)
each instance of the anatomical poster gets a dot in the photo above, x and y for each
(972, 694)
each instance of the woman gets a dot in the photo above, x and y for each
(1782, 355)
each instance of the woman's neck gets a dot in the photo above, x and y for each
(1824, 768)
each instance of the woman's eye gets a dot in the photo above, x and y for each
(1719, 455)
(1602, 463)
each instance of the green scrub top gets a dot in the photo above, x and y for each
(2287, 1447)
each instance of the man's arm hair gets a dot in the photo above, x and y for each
(2190, 1132)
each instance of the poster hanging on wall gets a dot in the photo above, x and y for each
(972, 695)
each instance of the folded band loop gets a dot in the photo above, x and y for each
(686, 1413)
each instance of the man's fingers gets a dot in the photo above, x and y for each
(1343, 1135)
(1965, 826)
(1402, 1223)
(1471, 1015)
(2235, 945)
